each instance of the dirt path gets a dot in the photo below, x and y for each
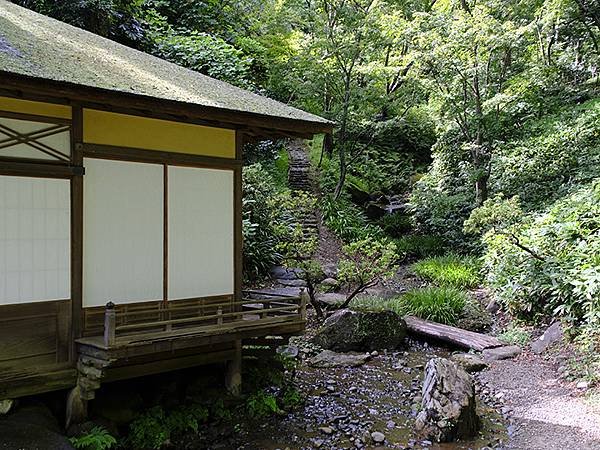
(547, 413)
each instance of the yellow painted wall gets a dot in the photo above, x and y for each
(121, 130)
(35, 108)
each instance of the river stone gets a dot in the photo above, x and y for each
(291, 283)
(378, 438)
(552, 334)
(348, 330)
(283, 273)
(498, 353)
(469, 362)
(288, 351)
(327, 358)
(330, 282)
(5, 406)
(448, 408)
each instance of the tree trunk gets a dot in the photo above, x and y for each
(342, 138)
(313, 299)
(481, 189)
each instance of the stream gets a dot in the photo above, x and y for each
(345, 405)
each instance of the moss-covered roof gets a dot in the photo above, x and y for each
(33, 45)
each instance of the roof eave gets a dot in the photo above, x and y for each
(257, 125)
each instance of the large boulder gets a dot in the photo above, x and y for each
(552, 334)
(348, 330)
(448, 408)
(32, 428)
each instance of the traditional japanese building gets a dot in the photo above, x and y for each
(120, 211)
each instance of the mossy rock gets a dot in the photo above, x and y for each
(348, 330)
(474, 317)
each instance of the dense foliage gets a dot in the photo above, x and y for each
(259, 216)
(549, 262)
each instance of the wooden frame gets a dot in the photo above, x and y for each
(60, 125)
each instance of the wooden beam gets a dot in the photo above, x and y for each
(166, 365)
(33, 382)
(452, 335)
(76, 230)
(157, 157)
(237, 217)
(36, 170)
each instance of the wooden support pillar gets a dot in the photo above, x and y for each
(76, 407)
(91, 372)
(110, 324)
(233, 375)
(304, 300)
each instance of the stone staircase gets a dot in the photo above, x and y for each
(299, 179)
(299, 167)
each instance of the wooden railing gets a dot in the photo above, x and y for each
(255, 306)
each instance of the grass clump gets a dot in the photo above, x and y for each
(449, 270)
(439, 304)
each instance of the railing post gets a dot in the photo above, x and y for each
(220, 316)
(110, 324)
(303, 303)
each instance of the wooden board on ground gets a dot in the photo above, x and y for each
(453, 335)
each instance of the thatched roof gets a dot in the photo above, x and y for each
(33, 46)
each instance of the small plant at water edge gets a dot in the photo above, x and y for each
(98, 438)
(262, 404)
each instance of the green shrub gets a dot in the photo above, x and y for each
(259, 218)
(515, 335)
(555, 154)
(149, 430)
(262, 404)
(585, 364)
(202, 52)
(439, 304)
(443, 198)
(347, 221)
(449, 270)
(365, 264)
(396, 224)
(549, 263)
(291, 398)
(152, 429)
(419, 246)
(97, 439)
